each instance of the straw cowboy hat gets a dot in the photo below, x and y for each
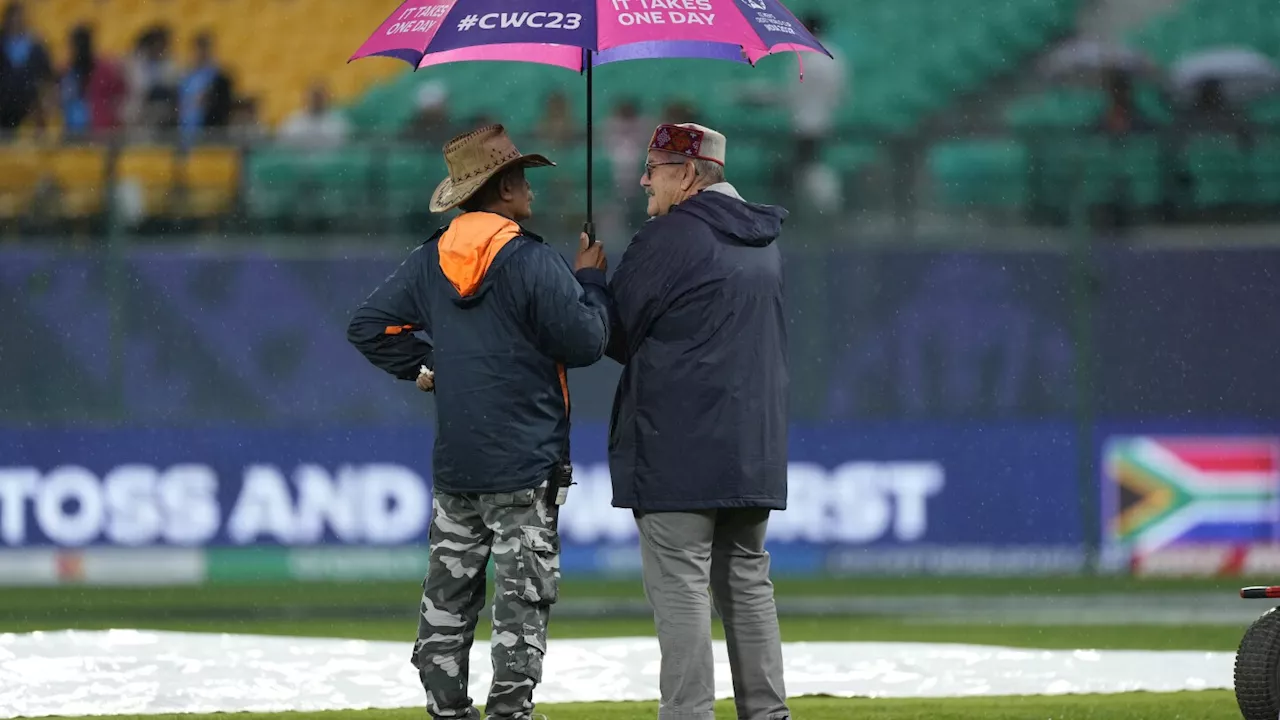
(473, 159)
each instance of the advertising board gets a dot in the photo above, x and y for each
(915, 497)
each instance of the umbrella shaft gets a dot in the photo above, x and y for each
(590, 131)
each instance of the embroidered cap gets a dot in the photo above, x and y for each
(691, 140)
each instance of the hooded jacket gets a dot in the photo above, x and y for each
(700, 415)
(504, 317)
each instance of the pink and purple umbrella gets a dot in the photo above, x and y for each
(581, 34)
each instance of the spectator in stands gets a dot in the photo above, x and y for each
(678, 111)
(204, 93)
(153, 77)
(815, 102)
(624, 141)
(430, 125)
(624, 132)
(92, 89)
(1122, 114)
(26, 72)
(481, 119)
(698, 446)
(218, 100)
(1212, 113)
(318, 125)
(557, 127)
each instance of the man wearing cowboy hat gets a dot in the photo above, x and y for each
(505, 317)
(698, 446)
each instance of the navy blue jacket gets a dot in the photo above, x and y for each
(700, 415)
(505, 317)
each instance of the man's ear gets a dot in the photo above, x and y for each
(507, 186)
(690, 176)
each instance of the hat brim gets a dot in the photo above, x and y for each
(449, 195)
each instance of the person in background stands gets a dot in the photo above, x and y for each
(26, 72)
(92, 89)
(317, 126)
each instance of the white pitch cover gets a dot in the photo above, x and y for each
(140, 672)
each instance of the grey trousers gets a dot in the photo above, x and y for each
(682, 554)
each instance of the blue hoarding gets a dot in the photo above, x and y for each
(859, 495)
(875, 333)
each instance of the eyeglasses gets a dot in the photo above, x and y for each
(648, 167)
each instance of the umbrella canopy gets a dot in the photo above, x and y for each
(1086, 59)
(581, 34)
(1243, 74)
(557, 32)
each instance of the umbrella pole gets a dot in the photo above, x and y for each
(589, 229)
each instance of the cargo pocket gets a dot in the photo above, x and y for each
(525, 658)
(540, 564)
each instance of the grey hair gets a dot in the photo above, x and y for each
(710, 172)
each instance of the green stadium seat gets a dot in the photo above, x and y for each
(410, 178)
(985, 173)
(274, 183)
(1219, 171)
(1265, 166)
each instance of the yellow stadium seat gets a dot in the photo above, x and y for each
(19, 177)
(151, 170)
(210, 176)
(80, 174)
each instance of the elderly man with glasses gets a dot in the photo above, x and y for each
(698, 440)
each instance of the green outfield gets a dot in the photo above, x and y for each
(386, 611)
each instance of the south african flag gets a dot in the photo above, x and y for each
(1165, 491)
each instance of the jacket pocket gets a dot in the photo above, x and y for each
(540, 564)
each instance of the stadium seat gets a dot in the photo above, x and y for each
(274, 182)
(1219, 170)
(152, 171)
(411, 178)
(80, 174)
(1265, 161)
(982, 173)
(19, 179)
(211, 178)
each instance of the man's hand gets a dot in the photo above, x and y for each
(590, 255)
(426, 379)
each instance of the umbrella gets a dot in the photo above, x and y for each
(1244, 74)
(581, 34)
(1089, 58)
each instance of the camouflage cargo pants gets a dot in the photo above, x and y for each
(519, 531)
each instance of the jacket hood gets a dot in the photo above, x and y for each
(469, 252)
(748, 223)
